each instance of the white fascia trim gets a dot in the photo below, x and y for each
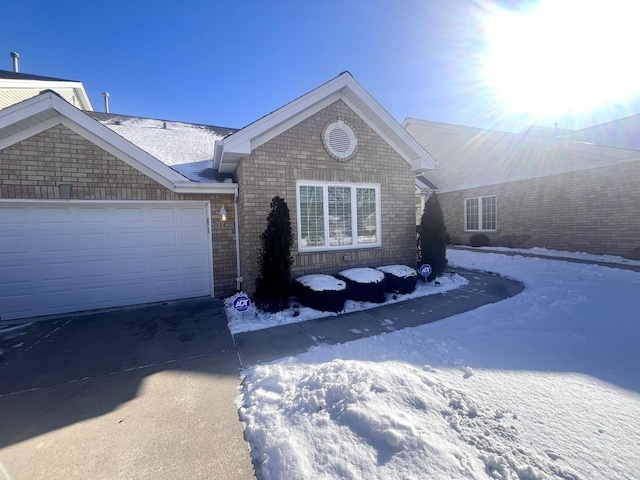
(26, 109)
(425, 158)
(239, 141)
(292, 121)
(30, 132)
(214, 188)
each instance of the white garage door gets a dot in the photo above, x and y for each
(66, 257)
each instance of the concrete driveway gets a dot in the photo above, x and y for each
(139, 393)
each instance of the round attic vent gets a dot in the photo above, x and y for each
(340, 140)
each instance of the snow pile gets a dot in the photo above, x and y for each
(540, 386)
(321, 283)
(400, 271)
(363, 275)
(252, 319)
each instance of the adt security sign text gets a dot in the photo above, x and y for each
(425, 270)
(241, 303)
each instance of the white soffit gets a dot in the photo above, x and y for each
(344, 87)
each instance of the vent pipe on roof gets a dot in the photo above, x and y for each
(106, 101)
(15, 57)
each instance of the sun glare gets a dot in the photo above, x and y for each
(564, 56)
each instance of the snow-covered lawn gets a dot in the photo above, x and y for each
(543, 385)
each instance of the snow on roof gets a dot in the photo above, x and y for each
(363, 275)
(186, 147)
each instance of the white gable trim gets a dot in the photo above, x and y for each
(47, 110)
(344, 87)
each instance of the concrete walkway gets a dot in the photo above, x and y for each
(287, 340)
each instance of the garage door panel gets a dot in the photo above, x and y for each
(75, 257)
(196, 286)
(164, 239)
(92, 216)
(165, 288)
(128, 215)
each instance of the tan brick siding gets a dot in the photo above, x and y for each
(36, 167)
(593, 211)
(298, 154)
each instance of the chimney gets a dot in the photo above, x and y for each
(106, 101)
(15, 57)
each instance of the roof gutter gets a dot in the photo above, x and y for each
(195, 187)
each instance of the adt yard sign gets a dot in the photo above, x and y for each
(425, 270)
(241, 303)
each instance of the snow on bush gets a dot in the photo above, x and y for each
(320, 283)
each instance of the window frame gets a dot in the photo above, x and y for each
(481, 200)
(325, 220)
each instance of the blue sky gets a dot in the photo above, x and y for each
(228, 63)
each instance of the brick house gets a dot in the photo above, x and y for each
(93, 217)
(523, 191)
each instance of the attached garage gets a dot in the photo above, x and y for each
(67, 256)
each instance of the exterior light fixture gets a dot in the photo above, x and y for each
(223, 214)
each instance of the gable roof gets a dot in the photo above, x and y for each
(468, 157)
(47, 110)
(343, 87)
(621, 133)
(16, 87)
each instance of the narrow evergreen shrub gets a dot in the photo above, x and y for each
(432, 238)
(272, 287)
(479, 240)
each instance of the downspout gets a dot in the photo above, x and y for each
(235, 219)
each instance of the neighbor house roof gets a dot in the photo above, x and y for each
(47, 110)
(343, 87)
(186, 147)
(621, 133)
(468, 157)
(546, 132)
(16, 87)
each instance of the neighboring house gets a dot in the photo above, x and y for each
(523, 191)
(102, 210)
(620, 133)
(16, 87)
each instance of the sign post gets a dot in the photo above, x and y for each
(241, 303)
(425, 271)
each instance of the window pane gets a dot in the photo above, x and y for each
(340, 216)
(311, 217)
(472, 214)
(489, 213)
(366, 215)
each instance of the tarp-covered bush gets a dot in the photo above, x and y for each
(400, 278)
(321, 292)
(364, 284)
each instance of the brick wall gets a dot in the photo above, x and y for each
(298, 154)
(594, 211)
(36, 168)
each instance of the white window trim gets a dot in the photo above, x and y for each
(354, 219)
(480, 201)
